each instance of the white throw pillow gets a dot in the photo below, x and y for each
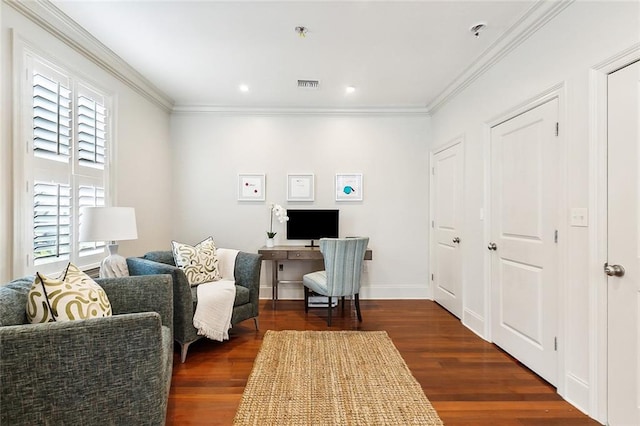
(227, 263)
(72, 296)
(199, 262)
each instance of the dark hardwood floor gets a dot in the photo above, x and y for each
(468, 381)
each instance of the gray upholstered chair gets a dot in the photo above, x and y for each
(185, 297)
(114, 370)
(343, 259)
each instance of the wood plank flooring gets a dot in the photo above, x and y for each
(468, 381)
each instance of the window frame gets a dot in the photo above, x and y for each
(28, 168)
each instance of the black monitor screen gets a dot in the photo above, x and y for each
(312, 224)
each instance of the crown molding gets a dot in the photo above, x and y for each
(46, 15)
(222, 110)
(531, 21)
(620, 60)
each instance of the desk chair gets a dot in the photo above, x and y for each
(343, 259)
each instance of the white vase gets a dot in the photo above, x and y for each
(270, 242)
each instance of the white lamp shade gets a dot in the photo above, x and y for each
(108, 224)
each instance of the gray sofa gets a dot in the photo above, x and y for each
(114, 370)
(185, 297)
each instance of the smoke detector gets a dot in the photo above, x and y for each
(477, 29)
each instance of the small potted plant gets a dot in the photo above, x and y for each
(280, 214)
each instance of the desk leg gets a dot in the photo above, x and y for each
(274, 283)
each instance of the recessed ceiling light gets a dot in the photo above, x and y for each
(244, 88)
(350, 89)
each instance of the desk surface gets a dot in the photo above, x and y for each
(297, 253)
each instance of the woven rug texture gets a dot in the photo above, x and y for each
(332, 378)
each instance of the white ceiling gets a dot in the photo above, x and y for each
(398, 54)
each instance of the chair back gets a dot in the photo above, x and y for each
(343, 259)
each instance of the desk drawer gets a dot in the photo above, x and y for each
(304, 255)
(273, 255)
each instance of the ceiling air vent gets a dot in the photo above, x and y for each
(308, 84)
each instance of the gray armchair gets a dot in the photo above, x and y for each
(114, 370)
(185, 297)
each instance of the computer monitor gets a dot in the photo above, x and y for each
(312, 224)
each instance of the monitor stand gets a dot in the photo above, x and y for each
(311, 245)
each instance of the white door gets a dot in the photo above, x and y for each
(623, 246)
(447, 189)
(524, 217)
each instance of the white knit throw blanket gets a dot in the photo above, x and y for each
(215, 300)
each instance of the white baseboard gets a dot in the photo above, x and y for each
(473, 322)
(577, 393)
(295, 292)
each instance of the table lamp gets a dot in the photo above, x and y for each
(109, 224)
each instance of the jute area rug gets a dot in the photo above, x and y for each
(332, 378)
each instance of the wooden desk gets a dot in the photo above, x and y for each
(278, 254)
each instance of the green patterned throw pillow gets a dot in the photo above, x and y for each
(199, 262)
(72, 296)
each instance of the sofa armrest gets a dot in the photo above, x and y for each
(149, 293)
(182, 299)
(247, 273)
(76, 372)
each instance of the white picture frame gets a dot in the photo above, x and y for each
(349, 187)
(300, 187)
(251, 187)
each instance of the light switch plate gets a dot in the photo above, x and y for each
(579, 216)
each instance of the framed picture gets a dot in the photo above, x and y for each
(300, 187)
(251, 187)
(349, 187)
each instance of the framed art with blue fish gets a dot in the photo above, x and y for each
(349, 187)
(251, 187)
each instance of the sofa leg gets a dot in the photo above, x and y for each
(184, 347)
(255, 321)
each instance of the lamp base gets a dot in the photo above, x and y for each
(114, 265)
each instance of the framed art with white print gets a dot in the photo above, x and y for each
(251, 187)
(300, 187)
(349, 187)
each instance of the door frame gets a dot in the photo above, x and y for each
(597, 280)
(555, 92)
(455, 141)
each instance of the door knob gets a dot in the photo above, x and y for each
(492, 246)
(613, 270)
(456, 240)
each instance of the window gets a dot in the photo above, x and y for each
(65, 166)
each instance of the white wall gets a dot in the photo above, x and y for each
(5, 165)
(209, 150)
(142, 176)
(562, 52)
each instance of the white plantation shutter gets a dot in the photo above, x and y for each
(90, 196)
(51, 119)
(91, 132)
(51, 221)
(67, 167)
